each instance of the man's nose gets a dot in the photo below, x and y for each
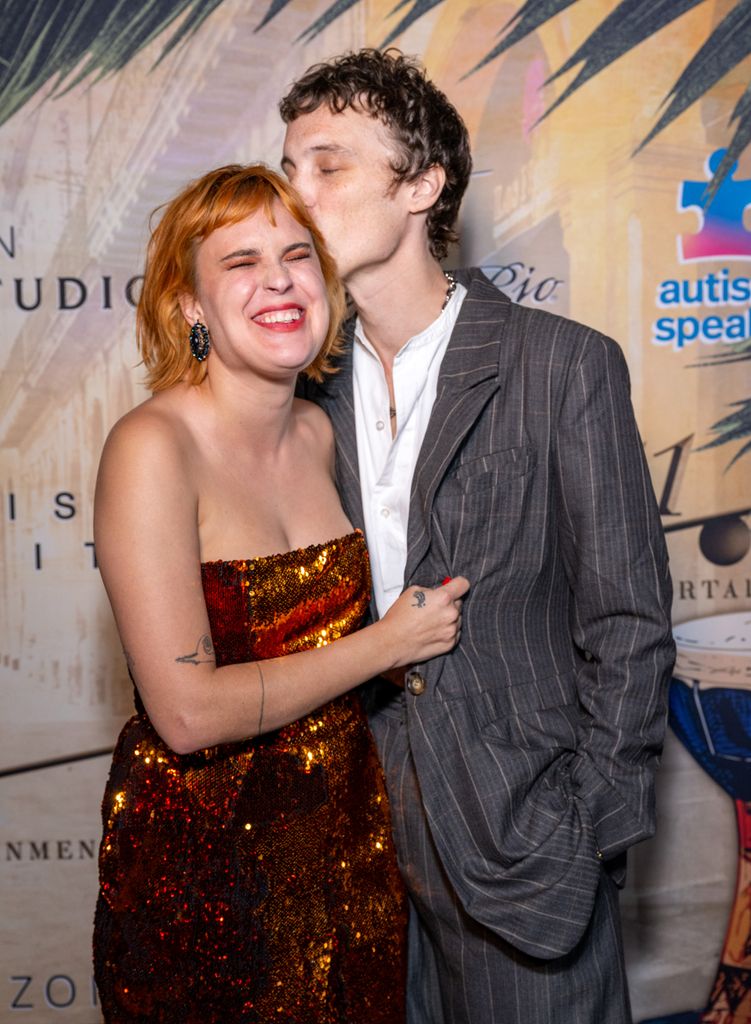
(303, 184)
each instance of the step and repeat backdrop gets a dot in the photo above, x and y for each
(107, 109)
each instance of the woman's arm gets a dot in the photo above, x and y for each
(147, 547)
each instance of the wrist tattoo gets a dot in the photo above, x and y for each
(263, 699)
(419, 596)
(203, 653)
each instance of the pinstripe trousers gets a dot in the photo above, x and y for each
(459, 971)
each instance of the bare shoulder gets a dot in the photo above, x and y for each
(146, 443)
(313, 421)
(315, 433)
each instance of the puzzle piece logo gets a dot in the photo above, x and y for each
(722, 234)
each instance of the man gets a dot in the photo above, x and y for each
(479, 437)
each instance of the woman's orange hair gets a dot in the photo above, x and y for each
(223, 196)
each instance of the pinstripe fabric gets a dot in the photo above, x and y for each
(461, 972)
(535, 742)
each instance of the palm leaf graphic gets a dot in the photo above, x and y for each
(56, 44)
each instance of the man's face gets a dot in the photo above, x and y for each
(341, 166)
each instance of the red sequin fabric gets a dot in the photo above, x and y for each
(256, 882)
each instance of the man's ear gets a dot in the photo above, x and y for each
(191, 308)
(427, 187)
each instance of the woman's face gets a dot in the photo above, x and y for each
(261, 293)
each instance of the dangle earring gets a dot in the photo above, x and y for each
(200, 341)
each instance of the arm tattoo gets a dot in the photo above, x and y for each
(203, 653)
(263, 699)
(419, 596)
(130, 661)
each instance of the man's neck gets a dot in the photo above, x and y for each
(394, 306)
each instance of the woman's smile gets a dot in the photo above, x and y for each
(282, 318)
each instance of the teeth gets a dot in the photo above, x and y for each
(281, 316)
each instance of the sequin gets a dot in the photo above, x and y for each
(257, 881)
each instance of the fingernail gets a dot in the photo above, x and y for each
(445, 580)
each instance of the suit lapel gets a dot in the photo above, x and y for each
(336, 397)
(468, 379)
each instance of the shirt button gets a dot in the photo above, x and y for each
(416, 683)
(380, 425)
(385, 513)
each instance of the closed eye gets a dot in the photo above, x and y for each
(299, 251)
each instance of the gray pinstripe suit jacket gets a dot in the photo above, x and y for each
(536, 740)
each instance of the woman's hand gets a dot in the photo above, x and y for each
(424, 622)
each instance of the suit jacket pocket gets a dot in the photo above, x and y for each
(479, 511)
(532, 695)
(529, 732)
(485, 472)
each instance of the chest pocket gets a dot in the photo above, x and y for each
(479, 509)
(487, 472)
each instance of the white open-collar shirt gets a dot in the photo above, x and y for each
(387, 466)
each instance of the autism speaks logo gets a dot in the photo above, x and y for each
(721, 235)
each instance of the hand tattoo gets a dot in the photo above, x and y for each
(203, 653)
(419, 596)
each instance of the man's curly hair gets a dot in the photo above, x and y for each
(427, 130)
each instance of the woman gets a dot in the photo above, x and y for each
(246, 868)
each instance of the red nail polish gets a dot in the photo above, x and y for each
(445, 580)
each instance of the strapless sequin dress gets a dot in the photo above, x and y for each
(257, 881)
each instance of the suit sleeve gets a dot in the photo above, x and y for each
(616, 562)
